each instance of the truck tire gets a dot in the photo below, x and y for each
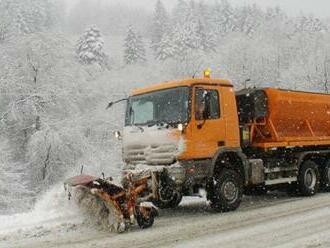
(173, 203)
(144, 222)
(325, 176)
(227, 191)
(308, 179)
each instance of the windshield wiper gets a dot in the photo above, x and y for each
(141, 128)
(160, 123)
(163, 123)
(151, 123)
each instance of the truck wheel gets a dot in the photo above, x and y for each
(145, 222)
(173, 203)
(227, 192)
(325, 177)
(309, 178)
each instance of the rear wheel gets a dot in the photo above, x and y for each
(227, 191)
(309, 178)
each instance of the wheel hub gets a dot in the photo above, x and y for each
(310, 178)
(230, 191)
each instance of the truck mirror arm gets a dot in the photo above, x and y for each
(110, 104)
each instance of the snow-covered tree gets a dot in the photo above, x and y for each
(275, 23)
(44, 92)
(29, 16)
(3, 31)
(134, 48)
(223, 17)
(309, 24)
(180, 12)
(206, 39)
(89, 48)
(188, 34)
(5, 23)
(166, 48)
(248, 19)
(160, 24)
(52, 152)
(275, 13)
(185, 31)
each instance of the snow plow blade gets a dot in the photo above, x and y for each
(112, 206)
(80, 180)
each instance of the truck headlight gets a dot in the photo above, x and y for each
(180, 127)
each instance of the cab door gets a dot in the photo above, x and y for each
(208, 125)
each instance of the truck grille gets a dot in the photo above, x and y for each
(152, 154)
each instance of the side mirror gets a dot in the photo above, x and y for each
(203, 106)
(118, 135)
(207, 102)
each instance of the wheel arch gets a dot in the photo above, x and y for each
(319, 157)
(238, 161)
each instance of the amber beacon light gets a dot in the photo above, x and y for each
(207, 73)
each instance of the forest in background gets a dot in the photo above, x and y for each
(60, 67)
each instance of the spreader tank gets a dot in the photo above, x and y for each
(280, 118)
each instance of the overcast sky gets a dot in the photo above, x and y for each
(320, 8)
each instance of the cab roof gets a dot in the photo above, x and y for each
(180, 83)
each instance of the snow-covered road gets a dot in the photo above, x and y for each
(262, 221)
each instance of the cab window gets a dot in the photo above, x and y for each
(206, 104)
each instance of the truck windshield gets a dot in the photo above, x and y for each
(168, 106)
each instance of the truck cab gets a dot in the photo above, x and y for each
(205, 109)
(182, 126)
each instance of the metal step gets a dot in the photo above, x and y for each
(279, 169)
(281, 180)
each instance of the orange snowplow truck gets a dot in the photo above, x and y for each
(201, 134)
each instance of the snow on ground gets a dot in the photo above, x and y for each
(52, 212)
(273, 220)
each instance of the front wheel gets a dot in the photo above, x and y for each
(227, 191)
(145, 217)
(309, 178)
(172, 203)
